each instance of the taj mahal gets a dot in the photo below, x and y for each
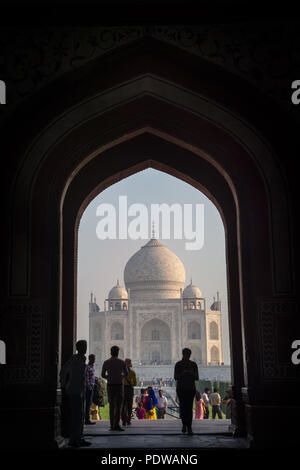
(155, 316)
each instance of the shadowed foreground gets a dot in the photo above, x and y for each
(163, 434)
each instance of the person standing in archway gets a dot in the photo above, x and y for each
(185, 374)
(72, 377)
(89, 382)
(199, 406)
(150, 404)
(129, 382)
(227, 400)
(114, 370)
(215, 401)
(205, 397)
(162, 404)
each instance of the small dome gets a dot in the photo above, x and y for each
(216, 305)
(192, 292)
(118, 293)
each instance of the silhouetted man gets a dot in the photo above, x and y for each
(114, 370)
(89, 387)
(215, 401)
(205, 397)
(72, 377)
(185, 374)
(129, 383)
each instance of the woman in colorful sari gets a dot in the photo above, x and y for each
(151, 404)
(199, 406)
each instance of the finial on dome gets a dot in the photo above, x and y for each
(118, 282)
(191, 280)
(153, 230)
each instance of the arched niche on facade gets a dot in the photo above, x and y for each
(155, 329)
(196, 355)
(194, 330)
(214, 355)
(155, 342)
(96, 331)
(117, 331)
(213, 330)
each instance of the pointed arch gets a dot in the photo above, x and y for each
(213, 330)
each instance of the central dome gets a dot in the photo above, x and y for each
(154, 272)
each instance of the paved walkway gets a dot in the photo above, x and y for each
(163, 434)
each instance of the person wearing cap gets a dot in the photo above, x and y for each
(129, 382)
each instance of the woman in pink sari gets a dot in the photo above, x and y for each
(199, 404)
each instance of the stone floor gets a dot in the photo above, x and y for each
(163, 434)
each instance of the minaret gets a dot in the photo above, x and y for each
(91, 303)
(221, 329)
(218, 301)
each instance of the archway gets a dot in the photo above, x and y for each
(183, 129)
(155, 343)
(117, 331)
(214, 355)
(213, 330)
(194, 330)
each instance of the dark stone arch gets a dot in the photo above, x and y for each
(177, 161)
(150, 131)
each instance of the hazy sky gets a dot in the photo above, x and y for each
(102, 262)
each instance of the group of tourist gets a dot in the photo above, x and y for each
(149, 406)
(206, 399)
(168, 382)
(82, 390)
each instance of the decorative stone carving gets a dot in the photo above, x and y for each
(144, 317)
(33, 315)
(262, 54)
(271, 311)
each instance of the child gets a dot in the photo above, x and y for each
(140, 411)
(199, 408)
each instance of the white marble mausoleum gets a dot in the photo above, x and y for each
(155, 316)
